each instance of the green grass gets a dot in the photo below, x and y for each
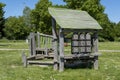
(109, 45)
(14, 45)
(23, 45)
(11, 67)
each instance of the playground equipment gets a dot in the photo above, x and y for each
(83, 40)
(40, 47)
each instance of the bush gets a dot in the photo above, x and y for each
(117, 39)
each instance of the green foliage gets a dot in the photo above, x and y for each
(2, 19)
(15, 28)
(117, 29)
(41, 18)
(27, 17)
(59, 6)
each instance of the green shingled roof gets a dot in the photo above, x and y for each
(73, 19)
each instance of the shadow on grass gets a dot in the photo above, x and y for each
(79, 65)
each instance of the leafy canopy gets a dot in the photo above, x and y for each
(2, 19)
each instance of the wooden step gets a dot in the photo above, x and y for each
(41, 62)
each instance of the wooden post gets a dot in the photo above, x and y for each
(24, 59)
(55, 47)
(38, 37)
(61, 51)
(32, 44)
(96, 62)
(46, 43)
(96, 50)
(96, 42)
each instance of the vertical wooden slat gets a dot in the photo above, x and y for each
(30, 44)
(61, 51)
(96, 50)
(96, 62)
(33, 45)
(24, 59)
(46, 47)
(95, 42)
(38, 37)
(55, 44)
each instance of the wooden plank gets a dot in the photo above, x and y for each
(45, 35)
(81, 56)
(33, 43)
(38, 37)
(96, 62)
(95, 42)
(46, 47)
(30, 44)
(78, 30)
(96, 50)
(61, 51)
(24, 60)
(55, 47)
(41, 62)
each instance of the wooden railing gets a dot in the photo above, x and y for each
(39, 41)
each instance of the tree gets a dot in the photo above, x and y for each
(27, 17)
(41, 17)
(117, 31)
(2, 19)
(15, 28)
(96, 10)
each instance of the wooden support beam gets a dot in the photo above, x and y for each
(95, 48)
(24, 59)
(46, 47)
(32, 44)
(78, 30)
(55, 47)
(38, 37)
(41, 62)
(95, 42)
(61, 51)
(96, 62)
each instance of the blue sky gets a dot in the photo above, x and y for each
(15, 7)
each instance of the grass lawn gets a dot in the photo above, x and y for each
(109, 45)
(13, 45)
(11, 67)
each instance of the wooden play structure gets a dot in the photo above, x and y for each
(83, 40)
